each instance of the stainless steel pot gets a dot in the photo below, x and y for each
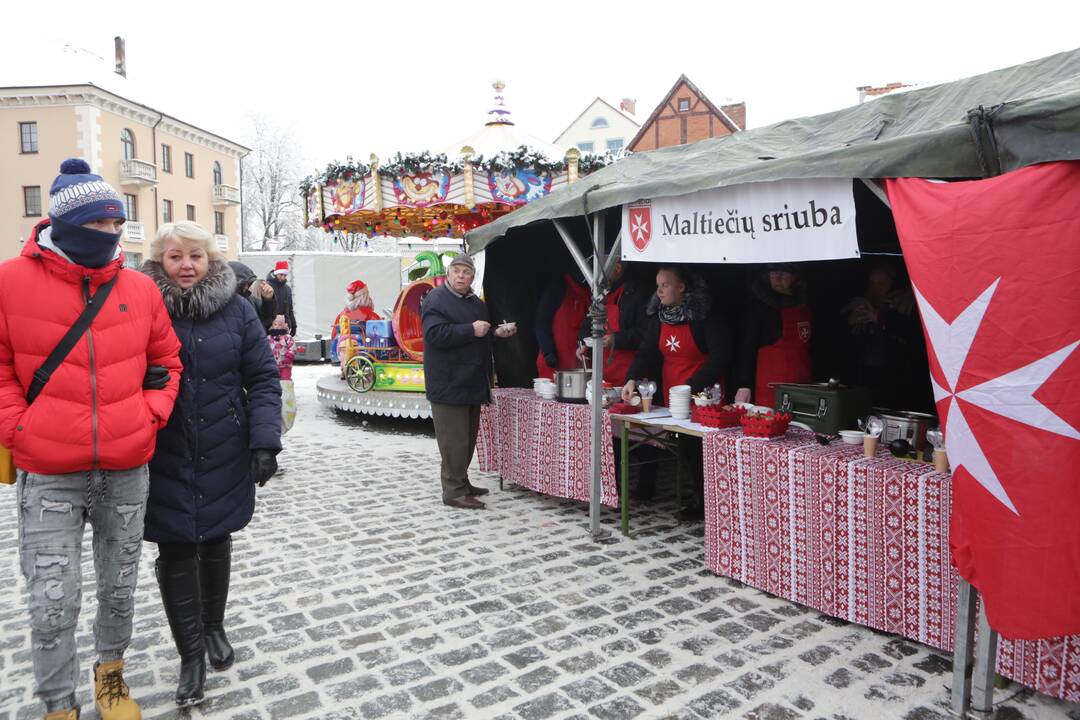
(905, 425)
(570, 385)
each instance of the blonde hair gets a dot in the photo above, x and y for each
(185, 231)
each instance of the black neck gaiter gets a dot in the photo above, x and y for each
(85, 247)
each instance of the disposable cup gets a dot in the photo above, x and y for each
(941, 461)
(869, 445)
(646, 403)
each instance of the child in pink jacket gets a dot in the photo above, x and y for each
(284, 349)
(283, 346)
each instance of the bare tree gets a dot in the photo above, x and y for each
(272, 209)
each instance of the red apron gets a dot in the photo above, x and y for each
(565, 326)
(788, 359)
(616, 362)
(682, 357)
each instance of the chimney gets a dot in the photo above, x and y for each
(628, 105)
(121, 61)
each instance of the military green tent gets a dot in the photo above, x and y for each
(971, 128)
(975, 127)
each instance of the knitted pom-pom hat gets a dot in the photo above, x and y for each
(78, 196)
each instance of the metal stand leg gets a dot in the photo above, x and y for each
(500, 483)
(678, 479)
(982, 681)
(962, 652)
(624, 479)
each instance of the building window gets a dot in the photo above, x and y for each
(31, 200)
(28, 137)
(166, 211)
(585, 146)
(127, 143)
(219, 222)
(599, 123)
(191, 213)
(132, 259)
(189, 165)
(217, 174)
(684, 104)
(614, 145)
(166, 158)
(131, 204)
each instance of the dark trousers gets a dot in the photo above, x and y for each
(456, 427)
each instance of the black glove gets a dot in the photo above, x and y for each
(552, 360)
(263, 466)
(156, 378)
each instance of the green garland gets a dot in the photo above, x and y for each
(348, 170)
(413, 163)
(523, 157)
(591, 162)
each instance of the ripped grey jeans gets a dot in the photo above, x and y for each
(53, 510)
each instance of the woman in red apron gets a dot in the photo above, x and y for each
(684, 344)
(775, 345)
(625, 306)
(559, 316)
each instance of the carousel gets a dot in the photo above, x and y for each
(495, 170)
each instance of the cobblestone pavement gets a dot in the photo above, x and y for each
(357, 594)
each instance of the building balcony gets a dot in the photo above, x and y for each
(222, 242)
(138, 172)
(226, 195)
(134, 232)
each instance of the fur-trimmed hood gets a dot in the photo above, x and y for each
(697, 300)
(211, 294)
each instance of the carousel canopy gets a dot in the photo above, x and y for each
(500, 134)
(482, 177)
(995, 122)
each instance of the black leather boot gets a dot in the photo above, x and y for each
(215, 563)
(178, 581)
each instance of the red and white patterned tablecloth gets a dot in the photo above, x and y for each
(544, 445)
(863, 539)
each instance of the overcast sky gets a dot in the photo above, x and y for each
(357, 77)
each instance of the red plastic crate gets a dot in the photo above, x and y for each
(770, 426)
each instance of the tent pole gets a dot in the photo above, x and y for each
(572, 248)
(877, 190)
(598, 314)
(613, 257)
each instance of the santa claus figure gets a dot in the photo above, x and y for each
(358, 308)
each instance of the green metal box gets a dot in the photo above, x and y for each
(827, 410)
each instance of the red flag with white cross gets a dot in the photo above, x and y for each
(995, 266)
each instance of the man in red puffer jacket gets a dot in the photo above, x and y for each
(82, 447)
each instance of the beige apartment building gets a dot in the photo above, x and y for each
(166, 169)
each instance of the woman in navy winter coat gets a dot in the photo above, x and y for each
(222, 439)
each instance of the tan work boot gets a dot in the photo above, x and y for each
(63, 715)
(111, 696)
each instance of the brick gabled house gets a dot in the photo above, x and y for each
(685, 115)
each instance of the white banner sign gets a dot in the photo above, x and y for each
(782, 221)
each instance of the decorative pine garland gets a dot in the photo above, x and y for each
(414, 163)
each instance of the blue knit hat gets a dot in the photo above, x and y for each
(78, 196)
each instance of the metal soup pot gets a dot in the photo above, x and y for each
(905, 425)
(570, 385)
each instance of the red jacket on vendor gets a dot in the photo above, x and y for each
(559, 316)
(775, 343)
(684, 343)
(94, 412)
(625, 306)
